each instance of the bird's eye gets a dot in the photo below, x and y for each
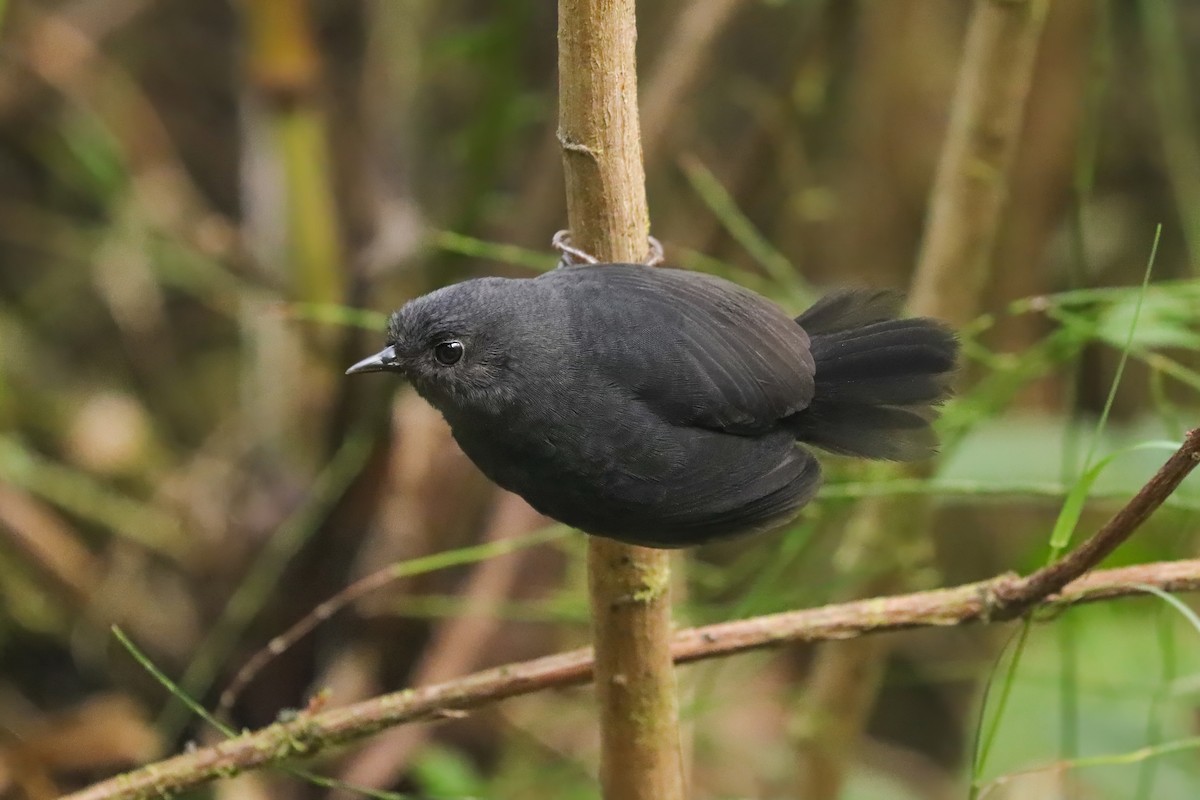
(448, 353)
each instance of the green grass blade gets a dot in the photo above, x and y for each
(451, 242)
(1077, 497)
(203, 713)
(475, 553)
(986, 734)
(1183, 608)
(1064, 527)
(738, 225)
(334, 314)
(178, 693)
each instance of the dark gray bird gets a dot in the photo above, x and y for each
(663, 407)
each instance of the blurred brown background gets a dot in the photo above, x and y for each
(195, 194)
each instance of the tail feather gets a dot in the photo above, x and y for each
(880, 333)
(846, 309)
(888, 433)
(879, 379)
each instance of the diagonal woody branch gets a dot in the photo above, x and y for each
(1002, 598)
(1014, 600)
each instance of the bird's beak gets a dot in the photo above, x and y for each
(383, 361)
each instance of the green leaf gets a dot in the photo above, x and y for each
(1166, 320)
(442, 772)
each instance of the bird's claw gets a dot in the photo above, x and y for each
(571, 256)
(654, 256)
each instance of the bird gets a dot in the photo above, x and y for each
(662, 407)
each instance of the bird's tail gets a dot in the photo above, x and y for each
(879, 378)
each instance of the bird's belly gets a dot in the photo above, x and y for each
(560, 465)
(641, 480)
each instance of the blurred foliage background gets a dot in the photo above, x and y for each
(196, 194)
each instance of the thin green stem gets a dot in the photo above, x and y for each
(987, 736)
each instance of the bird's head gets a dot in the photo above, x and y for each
(454, 345)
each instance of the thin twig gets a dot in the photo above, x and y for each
(457, 647)
(1001, 598)
(312, 734)
(362, 587)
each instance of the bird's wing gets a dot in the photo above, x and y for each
(695, 349)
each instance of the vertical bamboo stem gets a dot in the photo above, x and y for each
(629, 586)
(291, 215)
(284, 69)
(971, 185)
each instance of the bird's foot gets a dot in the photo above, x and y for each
(654, 256)
(571, 256)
